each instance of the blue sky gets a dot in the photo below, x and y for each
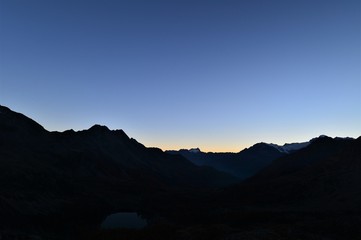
(219, 75)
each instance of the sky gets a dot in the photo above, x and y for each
(218, 75)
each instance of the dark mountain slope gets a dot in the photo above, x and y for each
(326, 175)
(13, 122)
(320, 148)
(243, 164)
(92, 171)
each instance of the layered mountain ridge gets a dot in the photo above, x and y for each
(245, 163)
(324, 176)
(45, 172)
(54, 181)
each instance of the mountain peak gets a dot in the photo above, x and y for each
(12, 121)
(289, 147)
(4, 109)
(194, 150)
(321, 137)
(99, 128)
(191, 150)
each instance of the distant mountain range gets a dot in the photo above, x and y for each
(242, 165)
(245, 163)
(290, 147)
(324, 176)
(75, 178)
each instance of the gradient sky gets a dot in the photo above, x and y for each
(219, 75)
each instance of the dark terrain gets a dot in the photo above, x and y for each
(241, 165)
(62, 185)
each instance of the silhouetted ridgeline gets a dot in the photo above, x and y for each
(323, 176)
(95, 171)
(61, 185)
(242, 165)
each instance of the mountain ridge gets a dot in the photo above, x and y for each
(320, 177)
(61, 182)
(71, 165)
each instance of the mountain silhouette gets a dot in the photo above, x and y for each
(242, 165)
(61, 185)
(94, 171)
(322, 176)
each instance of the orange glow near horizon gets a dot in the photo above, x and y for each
(204, 148)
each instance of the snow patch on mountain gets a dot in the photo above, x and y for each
(290, 147)
(194, 150)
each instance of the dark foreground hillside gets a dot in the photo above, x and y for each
(75, 178)
(323, 176)
(62, 185)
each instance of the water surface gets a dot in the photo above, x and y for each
(124, 220)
